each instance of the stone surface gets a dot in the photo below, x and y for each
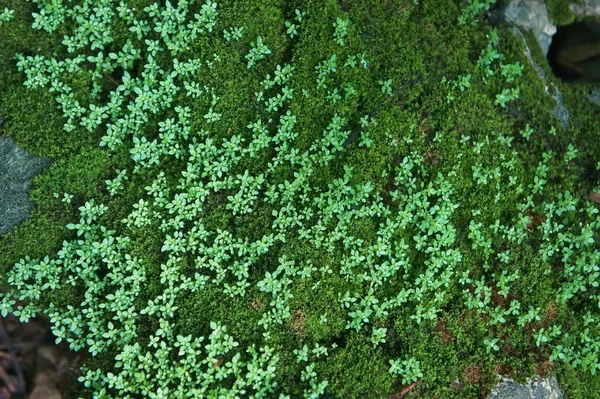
(539, 388)
(586, 8)
(17, 168)
(531, 15)
(560, 112)
(536, 66)
(594, 96)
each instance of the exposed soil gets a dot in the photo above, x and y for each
(32, 366)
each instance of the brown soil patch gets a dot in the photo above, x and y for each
(431, 157)
(544, 369)
(499, 300)
(441, 329)
(346, 5)
(503, 370)
(551, 312)
(473, 375)
(298, 322)
(257, 304)
(535, 219)
(509, 348)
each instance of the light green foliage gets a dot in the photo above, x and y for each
(386, 86)
(491, 345)
(489, 54)
(325, 203)
(292, 26)
(233, 34)
(341, 30)
(527, 132)
(116, 185)
(188, 368)
(473, 10)
(571, 153)
(409, 369)
(325, 68)
(257, 52)
(67, 198)
(6, 15)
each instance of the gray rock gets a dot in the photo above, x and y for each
(586, 8)
(539, 388)
(594, 96)
(560, 112)
(17, 168)
(510, 390)
(536, 66)
(531, 15)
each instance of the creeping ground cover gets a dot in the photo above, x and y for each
(299, 199)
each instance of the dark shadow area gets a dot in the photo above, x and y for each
(574, 54)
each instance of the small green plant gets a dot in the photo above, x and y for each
(507, 96)
(293, 26)
(491, 345)
(473, 10)
(324, 69)
(408, 368)
(527, 132)
(233, 33)
(67, 198)
(257, 52)
(6, 15)
(386, 86)
(571, 153)
(341, 30)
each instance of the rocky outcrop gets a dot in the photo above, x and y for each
(540, 388)
(529, 15)
(560, 112)
(594, 97)
(586, 8)
(17, 168)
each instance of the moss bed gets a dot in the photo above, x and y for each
(343, 199)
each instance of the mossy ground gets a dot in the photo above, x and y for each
(412, 43)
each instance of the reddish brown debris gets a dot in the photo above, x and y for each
(594, 197)
(404, 392)
(544, 369)
(441, 329)
(473, 375)
(257, 304)
(298, 322)
(28, 353)
(551, 312)
(11, 378)
(503, 370)
(535, 219)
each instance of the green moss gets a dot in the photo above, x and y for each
(348, 368)
(559, 11)
(575, 385)
(36, 237)
(415, 46)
